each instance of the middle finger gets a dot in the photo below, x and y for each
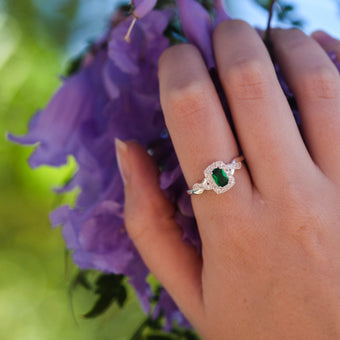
(264, 123)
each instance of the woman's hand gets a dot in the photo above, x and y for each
(270, 266)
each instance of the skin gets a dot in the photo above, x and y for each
(270, 267)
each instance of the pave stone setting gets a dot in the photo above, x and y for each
(209, 181)
(218, 176)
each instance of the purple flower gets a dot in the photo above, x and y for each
(114, 94)
(58, 128)
(220, 13)
(197, 27)
(335, 60)
(171, 312)
(143, 7)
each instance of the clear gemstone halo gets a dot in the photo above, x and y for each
(219, 176)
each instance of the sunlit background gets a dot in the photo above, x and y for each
(37, 37)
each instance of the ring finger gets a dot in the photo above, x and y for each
(198, 126)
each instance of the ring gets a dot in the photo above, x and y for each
(218, 176)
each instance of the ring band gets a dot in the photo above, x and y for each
(218, 176)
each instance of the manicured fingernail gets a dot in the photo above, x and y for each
(123, 159)
(323, 38)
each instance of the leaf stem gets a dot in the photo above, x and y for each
(267, 34)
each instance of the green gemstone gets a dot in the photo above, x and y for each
(220, 177)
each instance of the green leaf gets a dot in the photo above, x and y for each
(165, 3)
(263, 3)
(288, 8)
(121, 297)
(81, 280)
(160, 337)
(148, 326)
(285, 11)
(184, 334)
(298, 23)
(110, 289)
(189, 335)
(74, 65)
(99, 308)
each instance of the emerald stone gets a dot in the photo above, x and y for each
(220, 177)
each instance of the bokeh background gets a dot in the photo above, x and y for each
(37, 38)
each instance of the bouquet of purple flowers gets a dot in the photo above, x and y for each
(112, 92)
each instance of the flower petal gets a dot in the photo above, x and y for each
(143, 7)
(220, 13)
(197, 27)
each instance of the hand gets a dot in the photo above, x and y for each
(270, 266)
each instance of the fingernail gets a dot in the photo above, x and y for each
(323, 38)
(123, 159)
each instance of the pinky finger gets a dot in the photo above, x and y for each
(150, 223)
(329, 44)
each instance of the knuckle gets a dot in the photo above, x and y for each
(308, 233)
(139, 227)
(240, 232)
(309, 238)
(302, 204)
(136, 231)
(293, 39)
(234, 25)
(294, 194)
(173, 53)
(320, 82)
(146, 215)
(248, 80)
(188, 100)
(303, 221)
(144, 229)
(136, 227)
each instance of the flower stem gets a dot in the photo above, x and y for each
(267, 39)
(127, 36)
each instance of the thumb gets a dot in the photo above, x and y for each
(149, 220)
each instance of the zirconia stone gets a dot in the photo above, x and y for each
(220, 177)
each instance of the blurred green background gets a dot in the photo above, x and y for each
(36, 39)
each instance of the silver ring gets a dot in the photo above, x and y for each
(218, 176)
